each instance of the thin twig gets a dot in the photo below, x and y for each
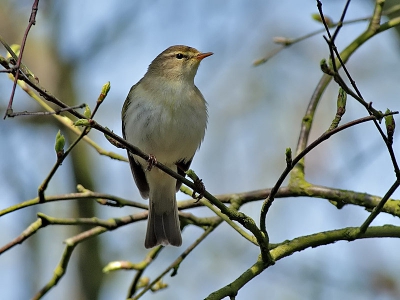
(176, 263)
(61, 158)
(236, 206)
(32, 21)
(101, 198)
(151, 255)
(58, 272)
(28, 232)
(287, 42)
(71, 243)
(340, 23)
(373, 28)
(67, 122)
(375, 212)
(46, 113)
(326, 135)
(324, 81)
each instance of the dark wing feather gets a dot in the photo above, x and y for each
(139, 176)
(137, 171)
(183, 166)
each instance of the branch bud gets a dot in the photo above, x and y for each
(282, 40)
(288, 154)
(104, 91)
(325, 68)
(340, 110)
(328, 20)
(87, 113)
(82, 122)
(59, 145)
(341, 102)
(390, 126)
(159, 285)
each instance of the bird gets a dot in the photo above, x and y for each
(165, 115)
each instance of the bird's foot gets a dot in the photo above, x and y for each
(151, 162)
(200, 187)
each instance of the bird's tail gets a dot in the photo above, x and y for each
(163, 223)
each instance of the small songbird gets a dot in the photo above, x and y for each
(165, 116)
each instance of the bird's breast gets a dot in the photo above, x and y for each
(169, 125)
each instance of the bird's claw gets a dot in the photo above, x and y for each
(152, 160)
(200, 187)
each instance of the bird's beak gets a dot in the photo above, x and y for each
(203, 55)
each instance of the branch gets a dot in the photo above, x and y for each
(32, 21)
(28, 232)
(325, 80)
(174, 266)
(101, 198)
(235, 205)
(288, 248)
(58, 273)
(326, 135)
(61, 155)
(137, 280)
(287, 42)
(68, 123)
(373, 28)
(73, 242)
(379, 207)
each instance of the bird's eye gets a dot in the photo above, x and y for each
(179, 56)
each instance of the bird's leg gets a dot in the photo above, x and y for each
(200, 187)
(152, 160)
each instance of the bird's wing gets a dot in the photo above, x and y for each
(139, 176)
(138, 172)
